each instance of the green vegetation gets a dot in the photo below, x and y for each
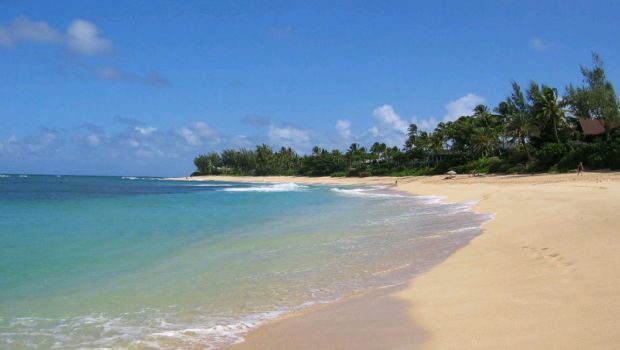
(531, 131)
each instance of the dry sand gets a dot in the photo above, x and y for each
(545, 274)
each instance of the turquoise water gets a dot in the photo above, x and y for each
(144, 263)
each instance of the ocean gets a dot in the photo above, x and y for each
(91, 262)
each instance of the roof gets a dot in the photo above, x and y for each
(592, 127)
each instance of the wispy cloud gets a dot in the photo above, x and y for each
(290, 136)
(426, 124)
(24, 29)
(199, 133)
(131, 143)
(343, 127)
(538, 44)
(114, 74)
(277, 134)
(137, 141)
(256, 120)
(462, 106)
(81, 37)
(6, 39)
(128, 121)
(284, 33)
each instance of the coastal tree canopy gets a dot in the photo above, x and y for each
(532, 130)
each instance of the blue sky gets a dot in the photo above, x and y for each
(140, 88)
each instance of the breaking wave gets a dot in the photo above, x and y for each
(282, 187)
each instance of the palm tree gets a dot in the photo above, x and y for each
(518, 119)
(552, 109)
(546, 106)
(484, 141)
(412, 135)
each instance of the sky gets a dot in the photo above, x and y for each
(141, 87)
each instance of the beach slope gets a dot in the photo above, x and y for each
(545, 274)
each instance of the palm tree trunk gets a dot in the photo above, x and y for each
(527, 149)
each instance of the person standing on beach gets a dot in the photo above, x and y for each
(579, 168)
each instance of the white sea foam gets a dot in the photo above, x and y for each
(23, 175)
(140, 178)
(431, 199)
(215, 336)
(365, 193)
(118, 332)
(281, 187)
(2, 175)
(465, 229)
(460, 207)
(396, 268)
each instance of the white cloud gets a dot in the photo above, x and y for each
(109, 73)
(289, 136)
(93, 140)
(146, 130)
(374, 131)
(23, 28)
(538, 44)
(198, 133)
(83, 37)
(133, 143)
(277, 135)
(242, 141)
(462, 106)
(389, 127)
(427, 124)
(386, 116)
(344, 128)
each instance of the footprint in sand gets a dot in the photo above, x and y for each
(555, 260)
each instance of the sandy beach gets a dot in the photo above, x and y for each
(544, 274)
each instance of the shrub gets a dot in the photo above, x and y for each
(571, 159)
(353, 172)
(451, 162)
(380, 172)
(482, 165)
(412, 172)
(550, 154)
(516, 169)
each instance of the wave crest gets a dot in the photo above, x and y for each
(281, 187)
(364, 192)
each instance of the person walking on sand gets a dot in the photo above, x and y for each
(580, 169)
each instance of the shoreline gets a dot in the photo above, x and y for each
(543, 274)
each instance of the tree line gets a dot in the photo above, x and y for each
(535, 129)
